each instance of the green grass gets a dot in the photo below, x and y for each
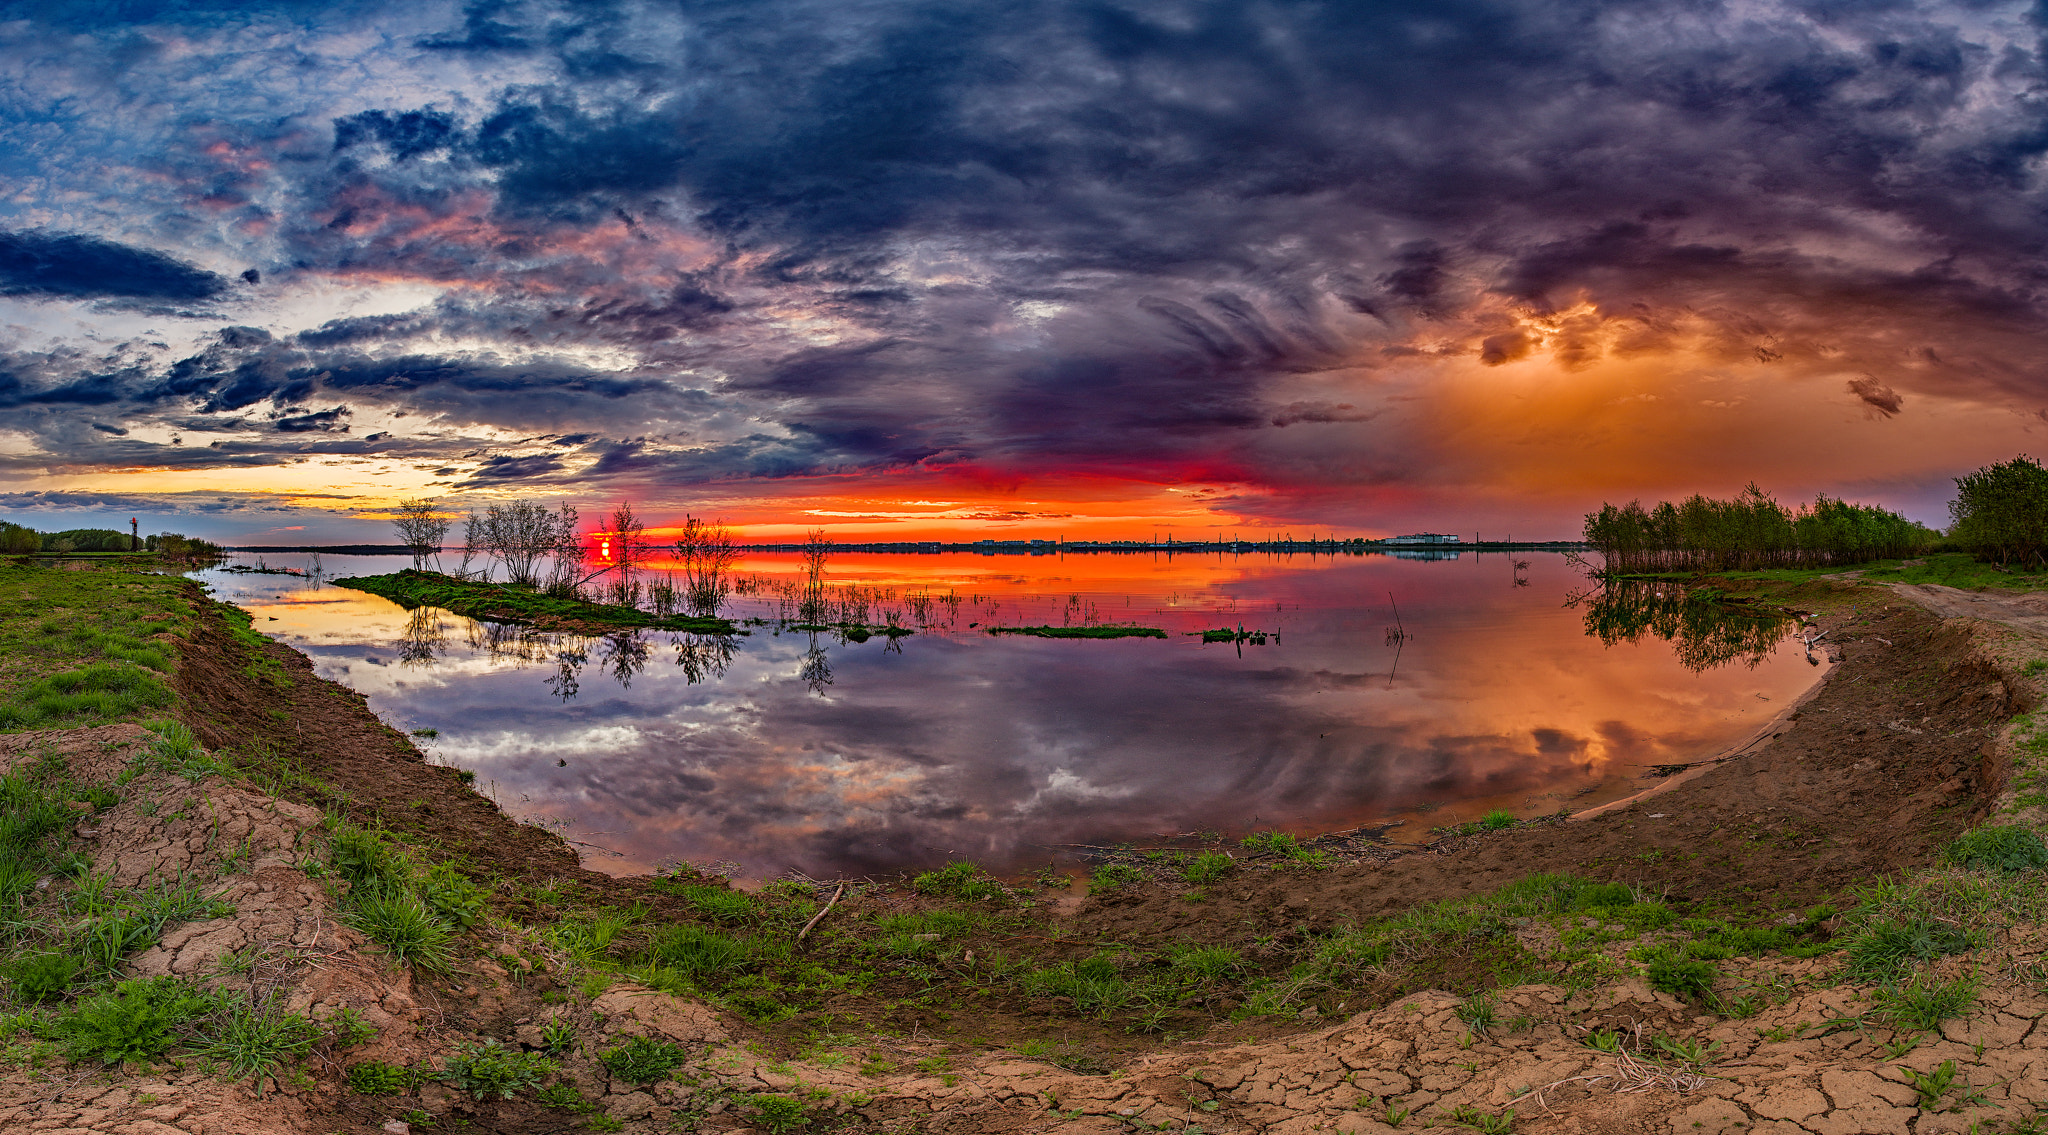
(506, 603)
(254, 1040)
(80, 648)
(1955, 569)
(1108, 631)
(1999, 848)
(960, 879)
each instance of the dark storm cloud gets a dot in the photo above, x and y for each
(1046, 231)
(75, 265)
(1876, 395)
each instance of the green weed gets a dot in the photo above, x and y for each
(255, 1040)
(1208, 867)
(644, 1060)
(136, 1020)
(1111, 878)
(487, 1068)
(407, 929)
(961, 879)
(1924, 1003)
(376, 1078)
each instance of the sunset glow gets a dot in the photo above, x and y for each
(1367, 270)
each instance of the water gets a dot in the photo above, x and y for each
(794, 750)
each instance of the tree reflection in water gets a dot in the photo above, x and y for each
(1704, 628)
(817, 668)
(703, 657)
(625, 654)
(425, 637)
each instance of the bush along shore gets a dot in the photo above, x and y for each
(237, 902)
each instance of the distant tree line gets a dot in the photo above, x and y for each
(1748, 533)
(20, 540)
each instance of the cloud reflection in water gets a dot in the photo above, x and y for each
(801, 750)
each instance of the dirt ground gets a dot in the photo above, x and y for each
(1904, 746)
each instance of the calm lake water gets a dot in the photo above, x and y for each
(792, 750)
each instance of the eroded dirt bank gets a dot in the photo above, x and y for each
(1908, 744)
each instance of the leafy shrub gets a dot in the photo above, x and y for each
(136, 1020)
(376, 1078)
(487, 1068)
(256, 1040)
(2006, 848)
(407, 929)
(698, 953)
(1112, 877)
(961, 879)
(43, 977)
(644, 1060)
(1208, 867)
(452, 896)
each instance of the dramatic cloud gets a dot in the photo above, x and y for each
(73, 265)
(1295, 261)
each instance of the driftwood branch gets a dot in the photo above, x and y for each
(818, 917)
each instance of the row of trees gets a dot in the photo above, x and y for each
(548, 550)
(1749, 532)
(20, 540)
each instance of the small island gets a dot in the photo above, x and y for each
(1110, 630)
(512, 603)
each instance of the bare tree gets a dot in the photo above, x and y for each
(519, 535)
(421, 528)
(817, 546)
(708, 551)
(623, 547)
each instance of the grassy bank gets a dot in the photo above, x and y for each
(509, 603)
(86, 647)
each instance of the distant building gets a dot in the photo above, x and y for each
(1424, 538)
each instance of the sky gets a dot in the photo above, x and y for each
(1015, 268)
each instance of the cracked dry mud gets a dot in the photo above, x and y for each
(1791, 1068)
